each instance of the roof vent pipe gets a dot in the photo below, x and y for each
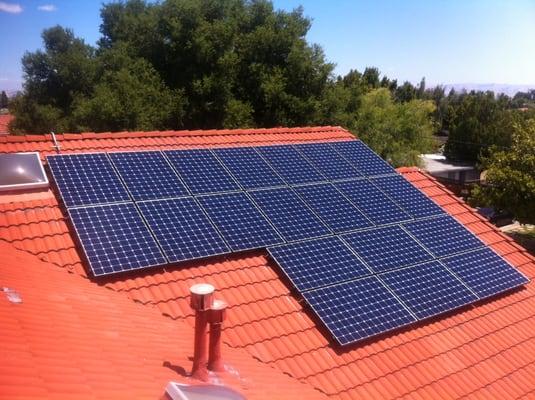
(201, 301)
(216, 318)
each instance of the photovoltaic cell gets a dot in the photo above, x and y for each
(328, 161)
(443, 235)
(290, 164)
(85, 179)
(428, 289)
(485, 272)
(248, 167)
(201, 171)
(182, 229)
(239, 221)
(115, 238)
(319, 262)
(148, 175)
(362, 158)
(333, 207)
(386, 248)
(407, 196)
(358, 309)
(372, 202)
(292, 218)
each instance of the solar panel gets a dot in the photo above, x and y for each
(485, 272)
(182, 229)
(443, 235)
(372, 202)
(333, 208)
(248, 167)
(358, 309)
(148, 175)
(115, 238)
(362, 158)
(290, 164)
(407, 196)
(318, 262)
(428, 289)
(85, 179)
(292, 218)
(201, 171)
(239, 221)
(386, 248)
(328, 161)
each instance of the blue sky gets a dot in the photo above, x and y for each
(447, 41)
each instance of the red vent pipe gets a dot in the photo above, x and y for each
(201, 301)
(216, 318)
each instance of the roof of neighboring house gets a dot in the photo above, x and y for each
(5, 119)
(480, 351)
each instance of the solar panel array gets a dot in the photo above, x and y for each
(366, 250)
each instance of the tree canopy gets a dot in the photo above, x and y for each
(510, 175)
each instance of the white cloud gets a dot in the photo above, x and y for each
(12, 8)
(47, 8)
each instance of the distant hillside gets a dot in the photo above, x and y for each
(509, 90)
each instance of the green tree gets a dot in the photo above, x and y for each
(510, 175)
(399, 132)
(4, 101)
(477, 123)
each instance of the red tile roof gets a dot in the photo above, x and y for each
(5, 119)
(481, 351)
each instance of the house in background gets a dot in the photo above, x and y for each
(68, 335)
(5, 119)
(457, 176)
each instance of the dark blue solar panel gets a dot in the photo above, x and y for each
(248, 167)
(362, 158)
(428, 289)
(407, 196)
(328, 161)
(386, 248)
(85, 179)
(239, 221)
(201, 171)
(333, 207)
(148, 175)
(358, 309)
(115, 238)
(292, 218)
(290, 164)
(182, 229)
(443, 236)
(318, 262)
(485, 272)
(372, 202)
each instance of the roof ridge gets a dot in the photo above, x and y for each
(168, 133)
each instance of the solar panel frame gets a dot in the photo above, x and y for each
(182, 229)
(97, 233)
(485, 272)
(239, 233)
(318, 262)
(201, 171)
(248, 168)
(436, 235)
(292, 218)
(428, 289)
(412, 200)
(74, 171)
(363, 158)
(290, 164)
(334, 209)
(351, 308)
(386, 248)
(328, 161)
(369, 199)
(148, 175)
